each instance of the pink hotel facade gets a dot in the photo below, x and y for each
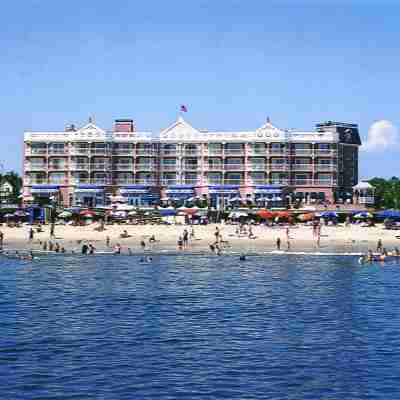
(83, 166)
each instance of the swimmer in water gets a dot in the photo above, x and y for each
(242, 257)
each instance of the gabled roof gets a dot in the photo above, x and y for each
(180, 129)
(363, 185)
(269, 130)
(91, 128)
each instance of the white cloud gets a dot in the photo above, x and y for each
(381, 135)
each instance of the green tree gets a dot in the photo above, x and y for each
(387, 192)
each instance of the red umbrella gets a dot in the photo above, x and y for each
(190, 211)
(281, 214)
(87, 213)
(265, 214)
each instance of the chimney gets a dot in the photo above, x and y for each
(124, 125)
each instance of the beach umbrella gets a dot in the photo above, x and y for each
(167, 212)
(363, 215)
(191, 211)
(237, 214)
(305, 217)
(329, 214)
(281, 214)
(118, 214)
(87, 214)
(265, 214)
(390, 214)
(8, 215)
(132, 213)
(20, 213)
(65, 214)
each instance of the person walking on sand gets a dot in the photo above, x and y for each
(1, 240)
(52, 228)
(217, 234)
(143, 245)
(288, 244)
(31, 234)
(278, 243)
(108, 241)
(379, 246)
(185, 238)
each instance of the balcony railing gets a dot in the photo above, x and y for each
(33, 152)
(234, 167)
(189, 181)
(58, 167)
(169, 167)
(237, 152)
(123, 181)
(146, 181)
(80, 166)
(325, 153)
(315, 182)
(325, 167)
(257, 167)
(302, 167)
(123, 167)
(79, 151)
(278, 181)
(278, 167)
(122, 152)
(226, 182)
(28, 181)
(253, 152)
(212, 153)
(58, 181)
(58, 151)
(148, 153)
(168, 182)
(35, 167)
(169, 153)
(190, 152)
(302, 152)
(145, 167)
(100, 167)
(215, 167)
(277, 152)
(190, 167)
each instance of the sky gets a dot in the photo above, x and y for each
(232, 63)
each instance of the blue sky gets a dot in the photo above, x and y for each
(233, 63)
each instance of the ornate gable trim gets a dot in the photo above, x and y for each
(180, 130)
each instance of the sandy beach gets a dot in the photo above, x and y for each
(353, 238)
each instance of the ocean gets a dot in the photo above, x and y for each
(199, 327)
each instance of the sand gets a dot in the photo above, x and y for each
(354, 238)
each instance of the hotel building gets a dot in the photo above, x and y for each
(83, 166)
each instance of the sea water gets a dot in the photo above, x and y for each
(199, 327)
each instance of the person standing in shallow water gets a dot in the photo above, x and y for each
(379, 246)
(31, 234)
(278, 243)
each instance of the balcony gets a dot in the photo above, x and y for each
(278, 167)
(212, 153)
(325, 182)
(257, 153)
(169, 153)
(215, 167)
(101, 181)
(58, 181)
(123, 167)
(168, 167)
(32, 181)
(302, 152)
(151, 182)
(190, 153)
(122, 152)
(226, 182)
(234, 167)
(145, 167)
(190, 181)
(277, 152)
(97, 152)
(35, 152)
(35, 167)
(80, 181)
(190, 167)
(168, 182)
(99, 167)
(302, 167)
(79, 151)
(58, 167)
(58, 152)
(325, 167)
(279, 181)
(79, 166)
(124, 181)
(146, 153)
(236, 152)
(325, 153)
(257, 167)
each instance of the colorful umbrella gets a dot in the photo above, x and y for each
(363, 215)
(65, 214)
(265, 214)
(87, 214)
(305, 217)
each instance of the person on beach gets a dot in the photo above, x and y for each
(1, 240)
(63, 249)
(288, 244)
(217, 234)
(57, 248)
(52, 228)
(180, 243)
(117, 249)
(108, 241)
(152, 239)
(143, 245)
(212, 247)
(45, 245)
(379, 246)
(51, 245)
(31, 234)
(85, 249)
(91, 249)
(396, 252)
(278, 243)
(192, 233)
(185, 238)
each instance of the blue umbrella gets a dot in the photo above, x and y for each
(362, 215)
(167, 212)
(391, 214)
(329, 214)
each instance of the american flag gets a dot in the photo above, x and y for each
(183, 108)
